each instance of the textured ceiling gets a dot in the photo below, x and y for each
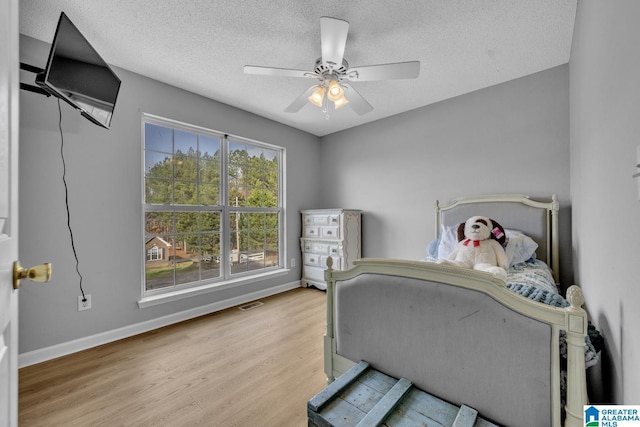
(202, 46)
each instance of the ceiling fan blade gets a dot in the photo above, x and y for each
(300, 101)
(333, 34)
(356, 101)
(271, 71)
(398, 70)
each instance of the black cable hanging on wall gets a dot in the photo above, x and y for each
(66, 198)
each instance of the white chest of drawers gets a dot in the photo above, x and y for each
(329, 232)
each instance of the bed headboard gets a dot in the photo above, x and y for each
(537, 219)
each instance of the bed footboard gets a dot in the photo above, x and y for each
(460, 335)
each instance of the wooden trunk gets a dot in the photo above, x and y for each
(364, 396)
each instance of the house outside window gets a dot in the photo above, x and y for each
(212, 206)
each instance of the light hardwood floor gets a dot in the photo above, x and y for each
(231, 368)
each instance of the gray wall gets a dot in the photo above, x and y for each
(509, 138)
(605, 105)
(104, 179)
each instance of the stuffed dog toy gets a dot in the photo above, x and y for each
(481, 247)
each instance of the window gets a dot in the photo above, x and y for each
(201, 225)
(155, 254)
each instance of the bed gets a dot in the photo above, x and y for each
(516, 351)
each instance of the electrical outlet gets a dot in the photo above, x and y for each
(84, 303)
(293, 262)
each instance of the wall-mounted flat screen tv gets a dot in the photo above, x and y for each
(76, 73)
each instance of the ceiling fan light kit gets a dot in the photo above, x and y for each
(332, 72)
(340, 102)
(317, 97)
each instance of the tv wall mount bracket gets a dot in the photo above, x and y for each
(32, 88)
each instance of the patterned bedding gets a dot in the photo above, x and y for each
(533, 279)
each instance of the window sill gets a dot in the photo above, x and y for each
(166, 297)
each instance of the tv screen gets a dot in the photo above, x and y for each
(76, 73)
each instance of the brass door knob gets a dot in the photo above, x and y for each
(38, 273)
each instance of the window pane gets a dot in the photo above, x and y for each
(271, 243)
(238, 164)
(185, 167)
(157, 138)
(210, 221)
(157, 164)
(210, 264)
(239, 243)
(271, 156)
(271, 221)
(237, 196)
(255, 260)
(255, 198)
(185, 142)
(157, 223)
(256, 241)
(159, 270)
(187, 259)
(256, 221)
(209, 194)
(187, 222)
(184, 193)
(157, 191)
(210, 245)
(238, 220)
(209, 147)
(271, 239)
(209, 171)
(270, 198)
(271, 258)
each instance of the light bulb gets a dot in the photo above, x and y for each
(335, 91)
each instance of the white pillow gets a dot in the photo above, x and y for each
(520, 247)
(448, 241)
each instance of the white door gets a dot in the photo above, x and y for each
(9, 88)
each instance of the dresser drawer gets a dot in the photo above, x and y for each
(320, 248)
(310, 231)
(321, 219)
(307, 245)
(317, 219)
(313, 259)
(330, 232)
(323, 248)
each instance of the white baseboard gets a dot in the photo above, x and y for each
(63, 349)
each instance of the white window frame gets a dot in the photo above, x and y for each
(227, 278)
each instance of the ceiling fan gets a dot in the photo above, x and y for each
(333, 73)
